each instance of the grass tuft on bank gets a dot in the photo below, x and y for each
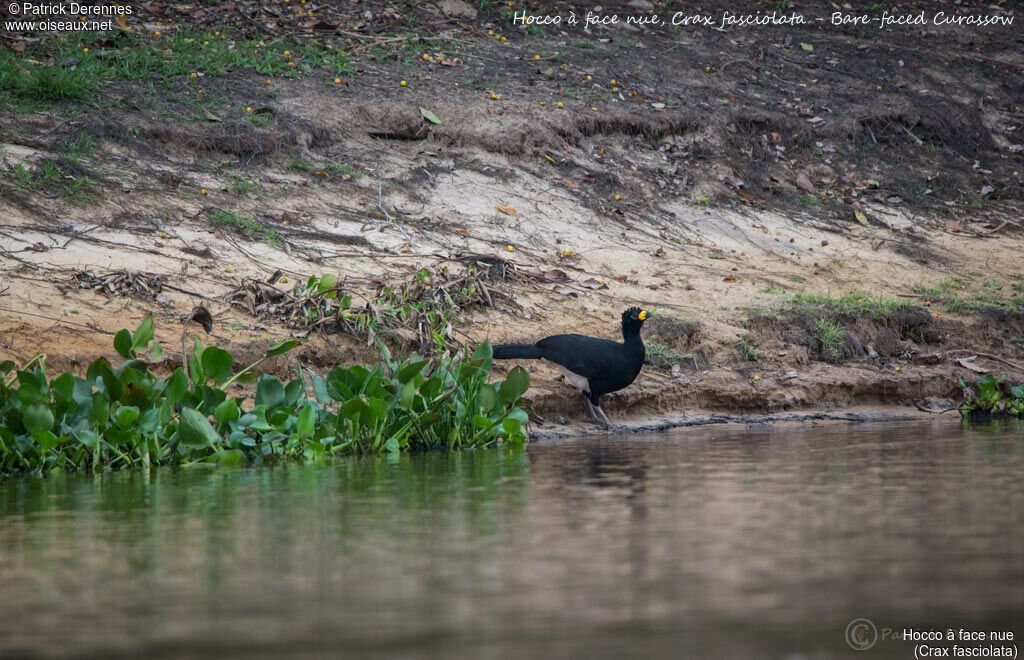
(129, 416)
(76, 67)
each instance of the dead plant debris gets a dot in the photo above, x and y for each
(122, 283)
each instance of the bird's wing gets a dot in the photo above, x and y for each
(589, 357)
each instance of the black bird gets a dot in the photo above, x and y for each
(595, 366)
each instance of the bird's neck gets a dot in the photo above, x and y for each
(631, 337)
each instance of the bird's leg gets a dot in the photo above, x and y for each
(604, 417)
(590, 408)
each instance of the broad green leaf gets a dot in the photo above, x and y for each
(63, 388)
(226, 411)
(37, 417)
(282, 347)
(138, 393)
(410, 371)
(194, 429)
(430, 116)
(519, 414)
(378, 410)
(212, 397)
(217, 364)
(143, 334)
(155, 350)
(6, 367)
(306, 421)
(175, 387)
(407, 395)
(89, 439)
(327, 282)
(483, 351)
(125, 416)
(356, 410)
(281, 418)
(515, 385)
(392, 446)
(246, 378)
(123, 343)
(269, 391)
(101, 369)
(227, 458)
(486, 398)
(292, 391)
(256, 419)
(46, 440)
(99, 410)
(149, 422)
(320, 390)
(431, 387)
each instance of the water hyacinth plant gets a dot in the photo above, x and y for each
(127, 415)
(992, 396)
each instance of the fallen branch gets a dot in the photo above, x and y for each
(989, 356)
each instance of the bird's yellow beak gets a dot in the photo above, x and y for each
(642, 315)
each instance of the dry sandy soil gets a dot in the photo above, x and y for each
(723, 172)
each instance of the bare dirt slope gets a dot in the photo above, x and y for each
(711, 175)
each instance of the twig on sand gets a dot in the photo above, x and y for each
(989, 356)
(1001, 225)
(381, 42)
(391, 221)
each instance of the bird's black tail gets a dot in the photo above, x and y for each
(516, 351)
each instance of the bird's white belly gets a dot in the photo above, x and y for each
(579, 381)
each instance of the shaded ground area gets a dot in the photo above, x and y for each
(821, 215)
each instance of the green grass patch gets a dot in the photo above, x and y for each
(956, 296)
(84, 146)
(75, 68)
(832, 338)
(747, 350)
(244, 187)
(243, 225)
(664, 357)
(63, 177)
(129, 416)
(296, 164)
(344, 170)
(28, 83)
(851, 305)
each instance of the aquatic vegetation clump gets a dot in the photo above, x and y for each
(123, 416)
(992, 396)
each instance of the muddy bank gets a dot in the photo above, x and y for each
(739, 185)
(547, 432)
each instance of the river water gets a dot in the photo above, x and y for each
(702, 543)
